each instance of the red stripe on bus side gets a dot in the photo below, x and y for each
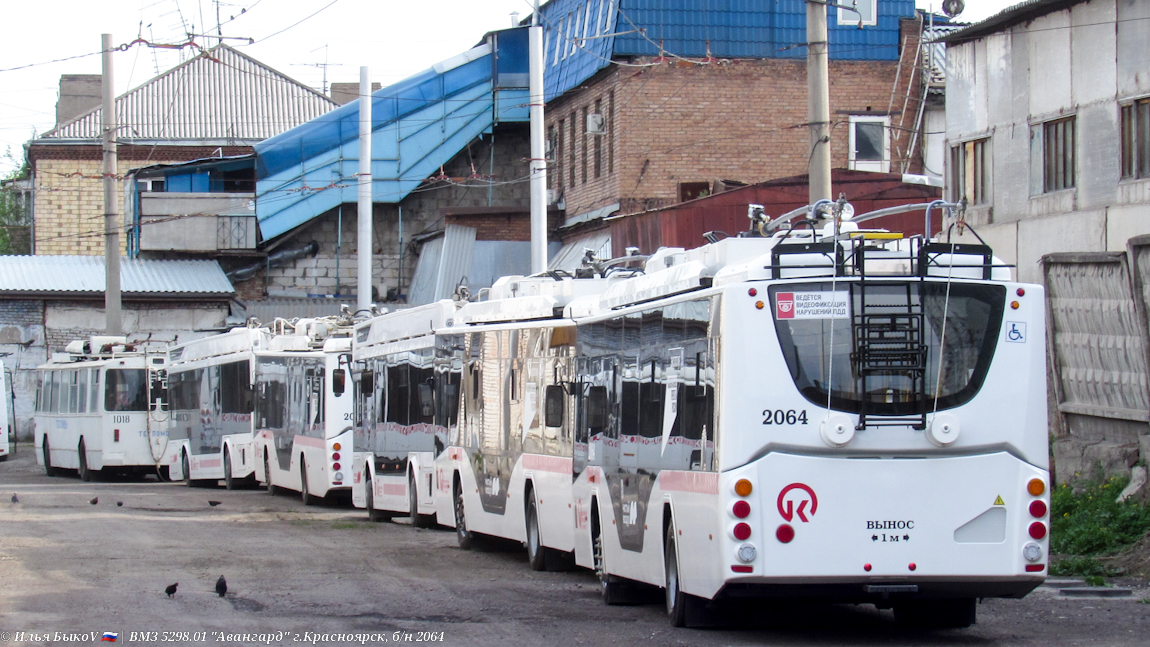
(699, 482)
(538, 463)
(394, 489)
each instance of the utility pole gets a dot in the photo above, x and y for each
(363, 236)
(114, 324)
(818, 102)
(538, 155)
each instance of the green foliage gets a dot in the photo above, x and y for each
(14, 225)
(1077, 565)
(1092, 522)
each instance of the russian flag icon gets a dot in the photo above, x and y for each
(110, 637)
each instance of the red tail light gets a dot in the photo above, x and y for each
(742, 531)
(335, 466)
(785, 533)
(1035, 568)
(1038, 509)
(741, 509)
(335, 456)
(1038, 530)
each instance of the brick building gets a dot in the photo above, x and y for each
(651, 103)
(159, 121)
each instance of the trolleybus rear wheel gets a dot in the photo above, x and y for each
(85, 473)
(48, 469)
(536, 553)
(683, 609)
(268, 475)
(229, 482)
(462, 534)
(304, 494)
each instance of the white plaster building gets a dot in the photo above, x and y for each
(1048, 123)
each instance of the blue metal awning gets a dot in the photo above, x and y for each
(418, 125)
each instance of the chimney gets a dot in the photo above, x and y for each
(342, 93)
(79, 93)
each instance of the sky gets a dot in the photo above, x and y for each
(305, 40)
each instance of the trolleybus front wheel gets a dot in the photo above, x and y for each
(417, 520)
(536, 553)
(937, 614)
(369, 496)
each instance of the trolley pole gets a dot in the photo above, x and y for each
(363, 236)
(114, 324)
(538, 156)
(818, 102)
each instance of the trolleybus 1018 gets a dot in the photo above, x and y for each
(101, 406)
(303, 408)
(820, 411)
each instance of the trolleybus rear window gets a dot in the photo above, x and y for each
(126, 390)
(881, 344)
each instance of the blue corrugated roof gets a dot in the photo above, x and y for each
(418, 125)
(85, 275)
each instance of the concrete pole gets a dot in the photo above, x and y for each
(114, 324)
(363, 238)
(818, 102)
(538, 156)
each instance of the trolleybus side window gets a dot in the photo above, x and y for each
(271, 402)
(94, 389)
(235, 387)
(126, 389)
(397, 394)
(82, 378)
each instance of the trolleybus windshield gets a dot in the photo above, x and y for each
(126, 390)
(881, 343)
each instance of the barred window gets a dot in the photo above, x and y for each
(970, 171)
(1135, 148)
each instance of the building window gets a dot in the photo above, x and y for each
(1053, 155)
(585, 143)
(867, 12)
(869, 144)
(970, 172)
(693, 190)
(574, 144)
(611, 131)
(559, 156)
(599, 139)
(1136, 139)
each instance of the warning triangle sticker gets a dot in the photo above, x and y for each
(998, 500)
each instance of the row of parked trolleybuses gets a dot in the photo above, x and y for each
(815, 411)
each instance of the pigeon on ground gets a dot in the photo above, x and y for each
(171, 590)
(94, 500)
(214, 503)
(15, 499)
(119, 504)
(221, 586)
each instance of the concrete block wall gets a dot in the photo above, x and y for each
(21, 351)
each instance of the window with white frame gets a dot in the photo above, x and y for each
(970, 171)
(1135, 148)
(865, 11)
(1053, 156)
(869, 144)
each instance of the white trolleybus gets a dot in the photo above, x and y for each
(100, 407)
(267, 405)
(7, 411)
(820, 412)
(402, 424)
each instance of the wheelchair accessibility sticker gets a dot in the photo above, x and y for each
(1016, 332)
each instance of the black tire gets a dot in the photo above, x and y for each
(536, 553)
(417, 520)
(612, 588)
(48, 469)
(369, 495)
(462, 534)
(937, 614)
(304, 493)
(268, 475)
(229, 482)
(186, 468)
(83, 471)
